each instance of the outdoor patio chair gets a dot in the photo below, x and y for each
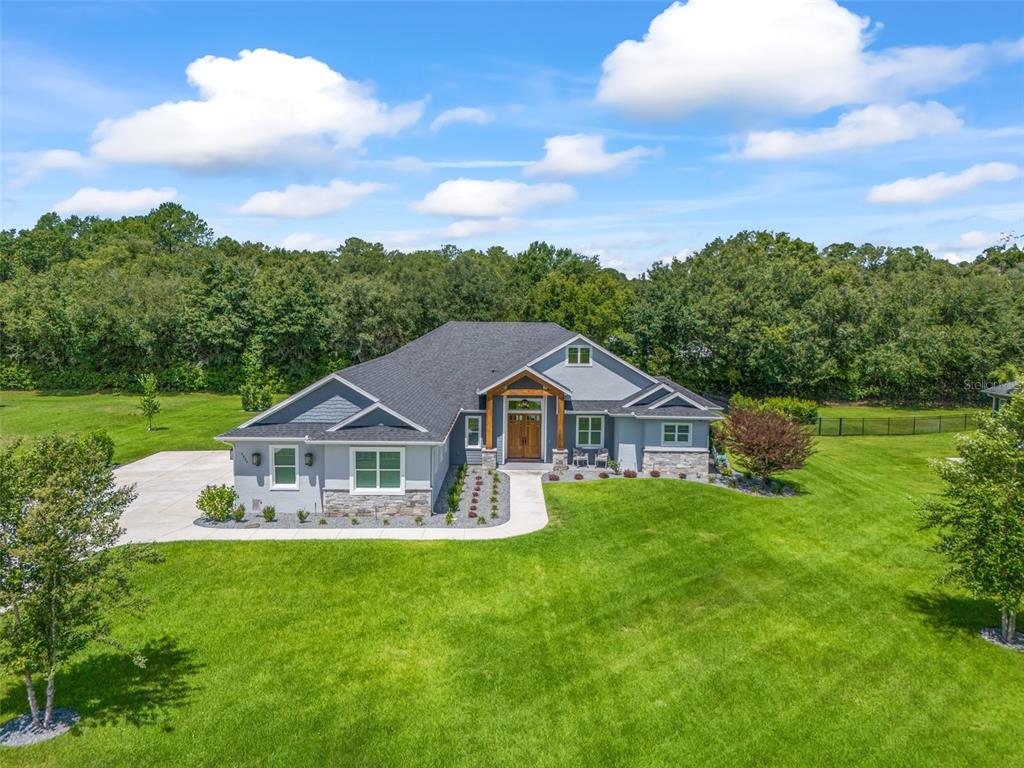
(579, 458)
(601, 459)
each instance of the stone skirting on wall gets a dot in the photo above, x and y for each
(489, 458)
(380, 506)
(693, 463)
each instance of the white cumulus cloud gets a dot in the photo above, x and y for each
(782, 55)
(476, 227)
(581, 154)
(309, 241)
(474, 115)
(473, 198)
(90, 201)
(36, 164)
(252, 109)
(300, 201)
(928, 189)
(871, 126)
(966, 247)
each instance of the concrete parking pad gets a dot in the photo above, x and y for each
(169, 482)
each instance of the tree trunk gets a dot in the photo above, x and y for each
(33, 703)
(51, 673)
(30, 687)
(50, 690)
(1009, 622)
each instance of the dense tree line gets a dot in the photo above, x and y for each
(92, 303)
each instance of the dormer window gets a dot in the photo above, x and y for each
(577, 355)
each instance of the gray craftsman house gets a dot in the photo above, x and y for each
(381, 436)
(1001, 393)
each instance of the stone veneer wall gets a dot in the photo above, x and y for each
(693, 463)
(379, 506)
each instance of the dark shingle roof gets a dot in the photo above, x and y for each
(615, 408)
(430, 379)
(688, 393)
(290, 429)
(1002, 390)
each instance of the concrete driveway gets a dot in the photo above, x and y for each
(169, 483)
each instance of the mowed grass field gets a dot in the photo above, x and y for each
(186, 422)
(652, 623)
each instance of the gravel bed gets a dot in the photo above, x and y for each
(995, 636)
(438, 519)
(20, 733)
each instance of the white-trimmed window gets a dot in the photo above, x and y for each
(577, 355)
(473, 424)
(675, 434)
(589, 431)
(378, 470)
(284, 466)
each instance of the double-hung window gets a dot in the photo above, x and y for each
(577, 356)
(589, 431)
(473, 431)
(377, 470)
(675, 434)
(283, 466)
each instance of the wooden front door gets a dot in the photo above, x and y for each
(524, 436)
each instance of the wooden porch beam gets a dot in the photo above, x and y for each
(523, 392)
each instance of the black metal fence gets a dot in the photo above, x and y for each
(843, 426)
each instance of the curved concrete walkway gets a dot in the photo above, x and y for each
(169, 482)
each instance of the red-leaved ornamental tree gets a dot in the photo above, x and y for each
(766, 442)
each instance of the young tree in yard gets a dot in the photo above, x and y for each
(764, 442)
(148, 402)
(256, 390)
(980, 517)
(61, 574)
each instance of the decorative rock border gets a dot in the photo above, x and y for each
(995, 636)
(20, 733)
(735, 482)
(438, 518)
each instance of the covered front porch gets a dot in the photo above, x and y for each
(524, 421)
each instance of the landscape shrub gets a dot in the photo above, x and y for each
(323, 521)
(217, 502)
(577, 476)
(472, 513)
(455, 492)
(552, 477)
(800, 411)
(418, 519)
(764, 442)
(603, 475)
(629, 473)
(269, 513)
(302, 514)
(654, 473)
(238, 513)
(449, 518)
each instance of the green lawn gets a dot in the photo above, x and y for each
(882, 411)
(185, 422)
(653, 623)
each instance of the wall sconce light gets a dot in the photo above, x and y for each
(309, 459)
(256, 458)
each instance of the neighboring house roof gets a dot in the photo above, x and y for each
(427, 382)
(1002, 390)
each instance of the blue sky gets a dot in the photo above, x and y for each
(501, 123)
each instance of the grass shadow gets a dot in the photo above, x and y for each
(108, 689)
(953, 614)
